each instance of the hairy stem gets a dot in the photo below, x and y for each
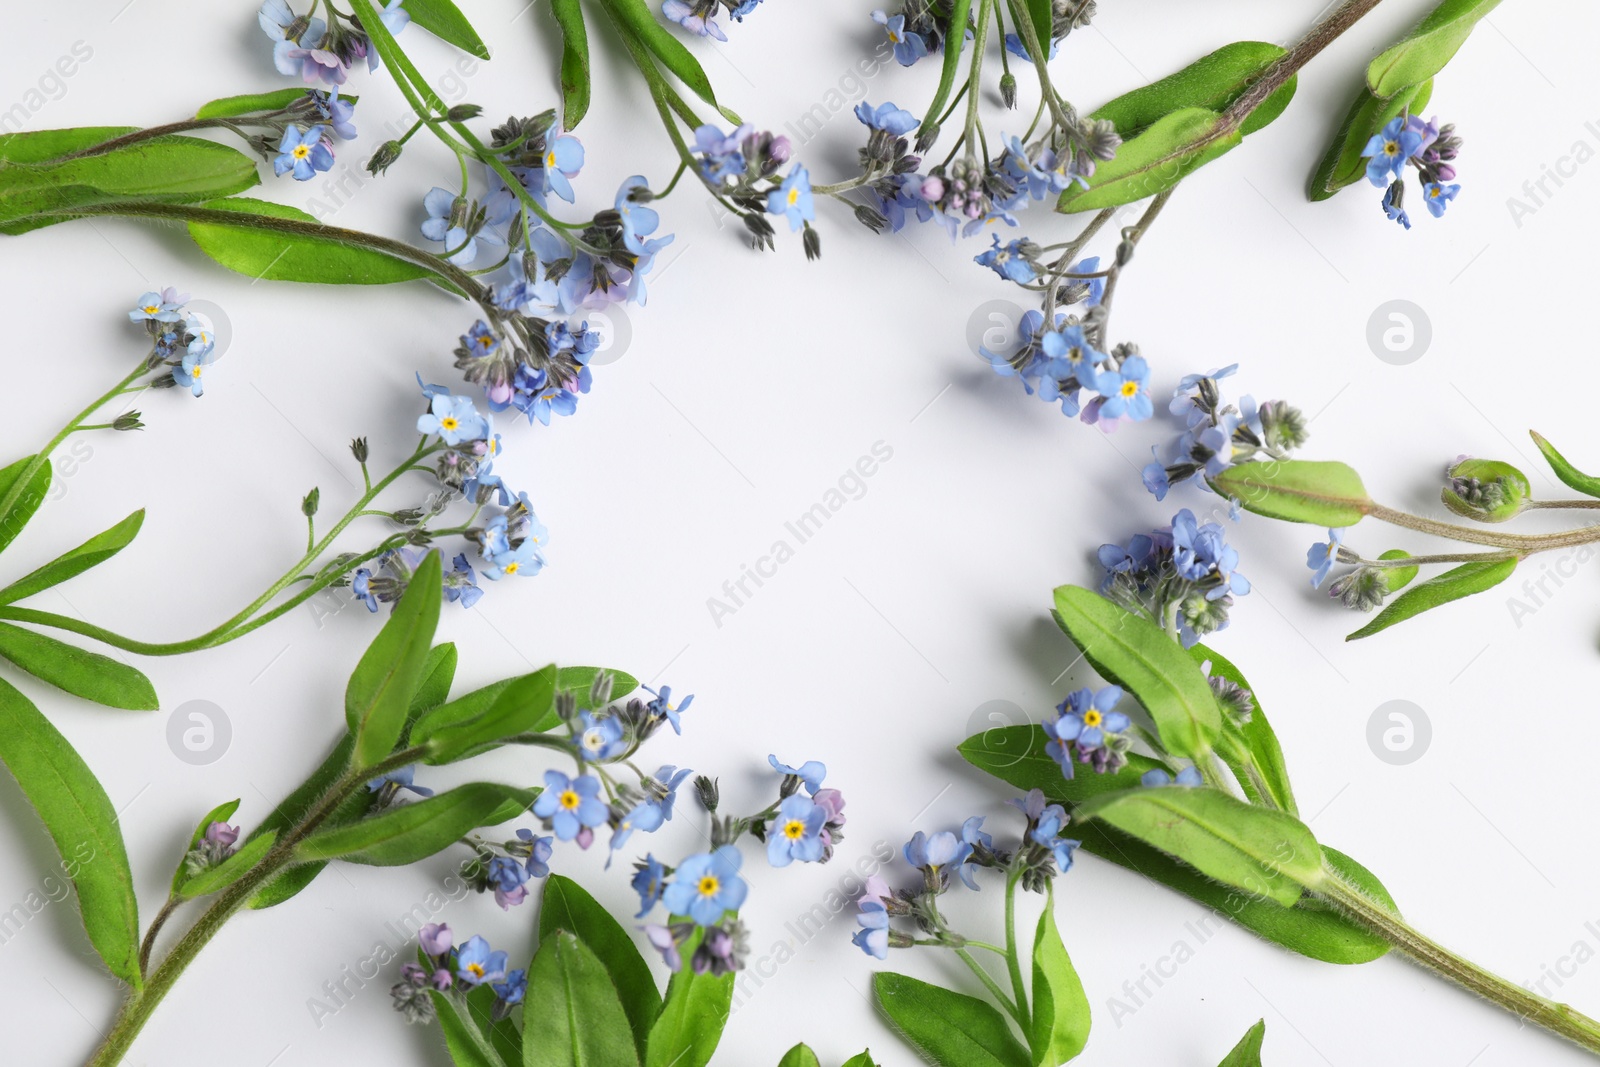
(1520, 544)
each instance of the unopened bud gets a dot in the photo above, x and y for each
(1008, 89)
(308, 506)
(358, 449)
(384, 157)
(130, 421)
(463, 112)
(811, 241)
(706, 789)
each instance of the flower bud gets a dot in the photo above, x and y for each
(129, 421)
(308, 506)
(1008, 89)
(706, 789)
(463, 112)
(358, 449)
(811, 241)
(1486, 490)
(385, 157)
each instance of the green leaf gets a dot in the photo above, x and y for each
(295, 806)
(573, 1009)
(693, 1014)
(1427, 48)
(1453, 584)
(567, 906)
(574, 62)
(1169, 150)
(1042, 14)
(1060, 1024)
(1342, 163)
(229, 870)
(1264, 852)
(293, 257)
(800, 1056)
(220, 813)
(1260, 740)
(574, 680)
(1016, 754)
(1213, 82)
(41, 146)
(411, 832)
(467, 1045)
(860, 1059)
(438, 673)
(520, 706)
(1570, 476)
(250, 103)
(378, 698)
(92, 553)
(956, 29)
(1319, 492)
(503, 1037)
(28, 501)
(174, 170)
(445, 21)
(1138, 655)
(947, 1028)
(1397, 578)
(80, 819)
(635, 18)
(1247, 1053)
(77, 671)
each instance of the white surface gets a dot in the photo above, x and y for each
(751, 384)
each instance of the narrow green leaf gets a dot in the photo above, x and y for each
(378, 698)
(229, 870)
(1397, 578)
(294, 257)
(77, 671)
(574, 62)
(445, 21)
(41, 146)
(1016, 754)
(438, 673)
(411, 832)
(519, 707)
(1169, 150)
(467, 1048)
(173, 170)
(1042, 14)
(1424, 51)
(573, 1009)
(1247, 1053)
(1260, 740)
(1453, 584)
(693, 1015)
(1060, 1026)
(1342, 163)
(294, 807)
(220, 813)
(93, 552)
(250, 103)
(28, 501)
(635, 18)
(1570, 476)
(956, 28)
(1138, 655)
(574, 680)
(567, 906)
(80, 819)
(1319, 492)
(504, 1039)
(1213, 81)
(1264, 852)
(947, 1028)
(800, 1056)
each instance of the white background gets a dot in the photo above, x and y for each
(751, 384)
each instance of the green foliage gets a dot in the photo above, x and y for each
(575, 76)
(378, 699)
(636, 19)
(257, 249)
(1397, 578)
(960, 13)
(1059, 1028)
(1247, 1053)
(1424, 51)
(75, 670)
(250, 103)
(947, 1028)
(230, 870)
(1570, 476)
(220, 813)
(1155, 160)
(693, 1014)
(1453, 584)
(1213, 82)
(93, 552)
(1318, 492)
(518, 707)
(28, 500)
(568, 906)
(411, 832)
(1258, 762)
(1342, 163)
(571, 1011)
(1511, 485)
(445, 21)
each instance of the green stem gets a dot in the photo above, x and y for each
(994, 989)
(1521, 544)
(1013, 961)
(980, 46)
(1529, 504)
(184, 126)
(1377, 917)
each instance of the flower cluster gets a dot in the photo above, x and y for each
(915, 32)
(442, 967)
(945, 857)
(1061, 364)
(320, 51)
(215, 845)
(180, 340)
(1182, 576)
(1426, 146)
(1086, 728)
(1218, 435)
(696, 15)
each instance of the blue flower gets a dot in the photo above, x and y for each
(1048, 834)
(1085, 718)
(335, 112)
(454, 419)
(649, 881)
(401, 778)
(1124, 390)
(571, 804)
(395, 18)
(562, 160)
(908, 46)
(165, 306)
(476, 963)
(1157, 776)
(1097, 286)
(442, 225)
(1321, 556)
(888, 118)
(873, 937)
(1015, 46)
(1387, 152)
(480, 339)
(796, 832)
(509, 880)
(540, 850)
(515, 986)
(1438, 196)
(792, 199)
(721, 155)
(706, 885)
(1008, 261)
(662, 706)
(940, 850)
(811, 772)
(361, 586)
(1199, 551)
(460, 581)
(1069, 355)
(304, 153)
(694, 18)
(1392, 208)
(503, 561)
(599, 738)
(201, 354)
(972, 834)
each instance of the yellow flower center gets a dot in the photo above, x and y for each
(569, 799)
(794, 829)
(709, 885)
(1075, 354)
(151, 309)
(196, 372)
(511, 568)
(301, 151)
(550, 159)
(1434, 192)
(1130, 389)
(1391, 148)
(485, 341)
(448, 423)
(476, 969)
(794, 196)
(894, 38)
(1092, 718)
